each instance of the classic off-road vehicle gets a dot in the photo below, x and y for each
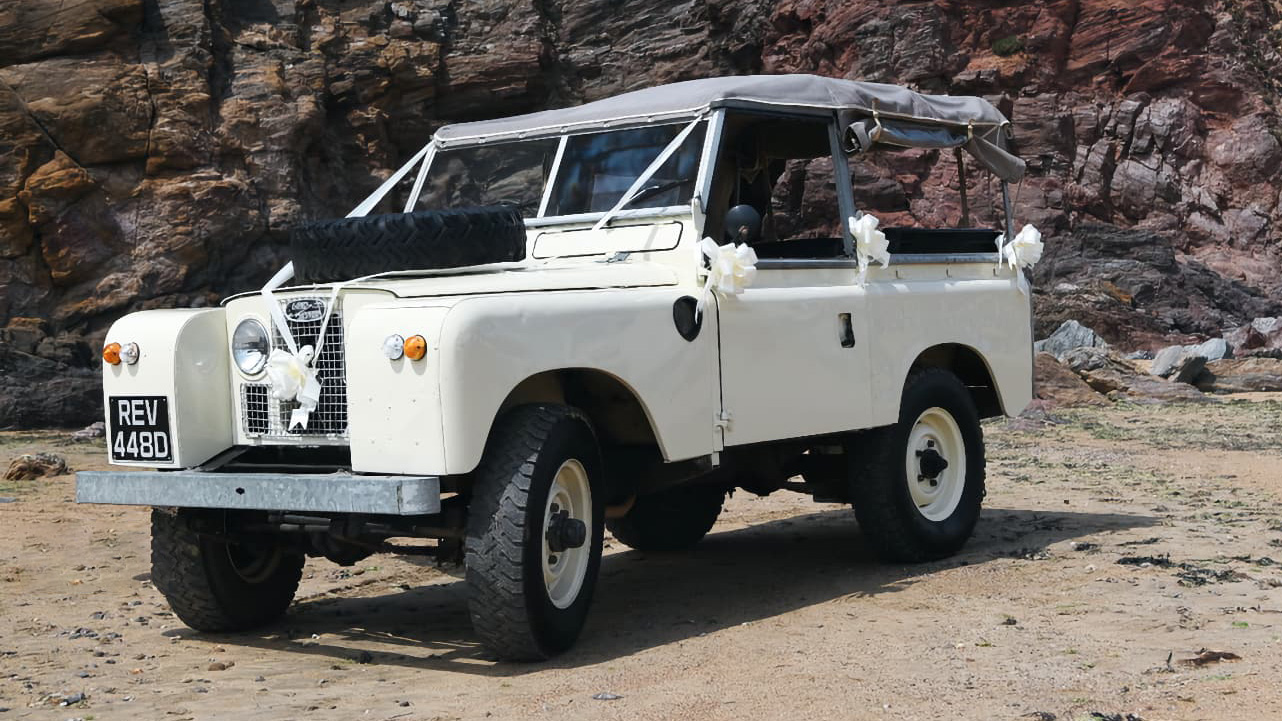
(607, 316)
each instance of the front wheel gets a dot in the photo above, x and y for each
(534, 533)
(215, 586)
(918, 485)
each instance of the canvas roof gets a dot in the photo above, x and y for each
(978, 125)
(690, 97)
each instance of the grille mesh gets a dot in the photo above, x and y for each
(253, 399)
(267, 416)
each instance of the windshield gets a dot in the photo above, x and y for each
(596, 169)
(511, 173)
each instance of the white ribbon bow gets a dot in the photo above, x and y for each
(870, 244)
(1022, 252)
(731, 269)
(290, 372)
(293, 378)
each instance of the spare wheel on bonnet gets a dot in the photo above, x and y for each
(331, 250)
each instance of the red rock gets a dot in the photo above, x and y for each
(1057, 385)
(32, 29)
(191, 140)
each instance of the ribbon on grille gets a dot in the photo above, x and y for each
(730, 269)
(290, 373)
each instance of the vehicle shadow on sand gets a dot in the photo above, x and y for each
(649, 600)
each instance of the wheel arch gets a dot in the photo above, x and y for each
(970, 366)
(617, 413)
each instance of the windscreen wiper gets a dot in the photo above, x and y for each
(657, 188)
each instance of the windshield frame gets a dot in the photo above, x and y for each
(701, 179)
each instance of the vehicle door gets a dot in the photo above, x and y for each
(793, 346)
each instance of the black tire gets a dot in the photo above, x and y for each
(214, 586)
(331, 250)
(510, 604)
(671, 520)
(891, 521)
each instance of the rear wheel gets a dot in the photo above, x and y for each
(217, 586)
(918, 485)
(534, 533)
(671, 520)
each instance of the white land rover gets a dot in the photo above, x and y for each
(607, 316)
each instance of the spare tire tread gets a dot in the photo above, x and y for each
(332, 250)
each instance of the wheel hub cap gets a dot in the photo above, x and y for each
(564, 532)
(935, 465)
(931, 464)
(567, 519)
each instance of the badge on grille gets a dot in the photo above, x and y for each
(305, 310)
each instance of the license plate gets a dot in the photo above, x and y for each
(139, 428)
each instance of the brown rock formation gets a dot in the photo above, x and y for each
(1241, 375)
(151, 152)
(1058, 385)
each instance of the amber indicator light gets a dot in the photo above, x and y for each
(111, 353)
(415, 347)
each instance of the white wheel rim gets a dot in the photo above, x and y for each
(936, 497)
(564, 571)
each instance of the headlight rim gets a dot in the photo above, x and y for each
(258, 368)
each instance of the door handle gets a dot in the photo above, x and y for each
(845, 331)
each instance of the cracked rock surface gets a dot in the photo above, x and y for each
(152, 153)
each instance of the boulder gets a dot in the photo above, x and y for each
(1213, 349)
(97, 429)
(1183, 363)
(30, 466)
(1262, 337)
(1241, 375)
(1190, 367)
(1149, 390)
(1165, 360)
(1120, 379)
(1069, 335)
(1058, 385)
(1081, 360)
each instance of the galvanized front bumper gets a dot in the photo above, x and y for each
(328, 493)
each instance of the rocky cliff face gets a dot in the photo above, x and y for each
(152, 152)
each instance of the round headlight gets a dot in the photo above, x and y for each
(250, 346)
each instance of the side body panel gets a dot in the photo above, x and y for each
(489, 344)
(785, 372)
(184, 358)
(394, 406)
(914, 307)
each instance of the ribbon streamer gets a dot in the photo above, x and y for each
(870, 244)
(731, 269)
(1022, 252)
(291, 374)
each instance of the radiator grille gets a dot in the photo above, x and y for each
(253, 399)
(266, 416)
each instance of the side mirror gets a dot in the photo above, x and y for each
(743, 224)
